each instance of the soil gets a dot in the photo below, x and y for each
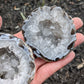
(10, 10)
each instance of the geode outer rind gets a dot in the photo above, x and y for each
(16, 61)
(50, 32)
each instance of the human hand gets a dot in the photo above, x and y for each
(45, 69)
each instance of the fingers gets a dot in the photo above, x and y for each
(80, 39)
(19, 35)
(77, 22)
(0, 21)
(49, 68)
(39, 62)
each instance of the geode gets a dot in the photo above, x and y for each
(16, 61)
(50, 32)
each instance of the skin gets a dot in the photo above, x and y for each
(46, 69)
(0, 21)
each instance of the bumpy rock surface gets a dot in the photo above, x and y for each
(50, 32)
(16, 61)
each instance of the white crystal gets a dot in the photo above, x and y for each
(49, 31)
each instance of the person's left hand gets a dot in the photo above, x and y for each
(45, 69)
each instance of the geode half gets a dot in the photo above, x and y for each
(16, 61)
(50, 32)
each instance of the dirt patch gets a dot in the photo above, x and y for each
(10, 10)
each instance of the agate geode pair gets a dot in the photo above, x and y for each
(49, 33)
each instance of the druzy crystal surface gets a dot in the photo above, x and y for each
(50, 32)
(16, 61)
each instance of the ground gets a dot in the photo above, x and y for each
(11, 10)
